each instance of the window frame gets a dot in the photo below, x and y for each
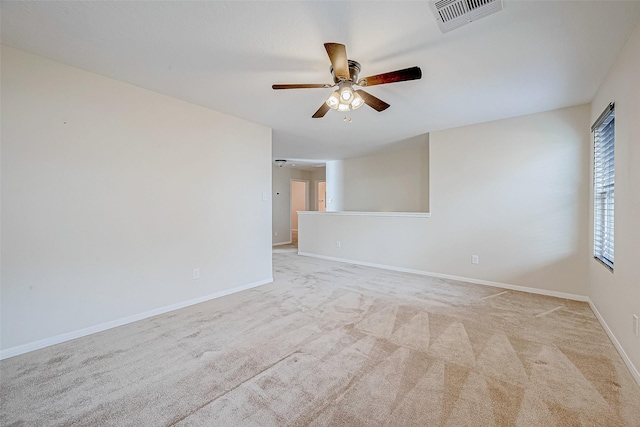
(604, 187)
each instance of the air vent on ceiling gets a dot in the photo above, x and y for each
(452, 14)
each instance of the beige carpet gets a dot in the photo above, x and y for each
(330, 344)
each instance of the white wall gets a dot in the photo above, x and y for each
(512, 191)
(617, 295)
(112, 194)
(395, 180)
(281, 195)
(335, 185)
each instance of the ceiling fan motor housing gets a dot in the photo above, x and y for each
(354, 71)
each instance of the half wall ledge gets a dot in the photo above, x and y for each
(354, 213)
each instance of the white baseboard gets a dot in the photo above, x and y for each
(36, 345)
(616, 343)
(281, 243)
(557, 294)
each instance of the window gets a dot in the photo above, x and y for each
(603, 186)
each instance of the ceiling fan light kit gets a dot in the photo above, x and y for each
(345, 75)
(345, 99)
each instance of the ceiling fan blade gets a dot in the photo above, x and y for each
(300, 86)
(321, 111)
(338, 55)
(373, 102)
(413, 73)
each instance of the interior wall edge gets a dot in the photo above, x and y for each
(632, 368)
(68, 336)
(557, 294)
(627, 360)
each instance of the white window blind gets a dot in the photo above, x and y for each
(603, 185)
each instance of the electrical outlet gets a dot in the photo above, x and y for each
(338, 244)
(196, 273)
(635, 325)
(475, 259)
(276, 234)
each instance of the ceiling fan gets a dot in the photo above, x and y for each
(345, 77)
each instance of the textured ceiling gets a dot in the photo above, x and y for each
(532, 56)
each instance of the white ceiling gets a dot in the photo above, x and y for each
(532, 56)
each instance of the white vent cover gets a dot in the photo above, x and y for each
(452, 14)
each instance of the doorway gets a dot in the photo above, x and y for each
(321, 196)
(299, 202)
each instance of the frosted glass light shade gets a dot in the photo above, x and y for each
(334, 100)
(357, 101)
(346, 94)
